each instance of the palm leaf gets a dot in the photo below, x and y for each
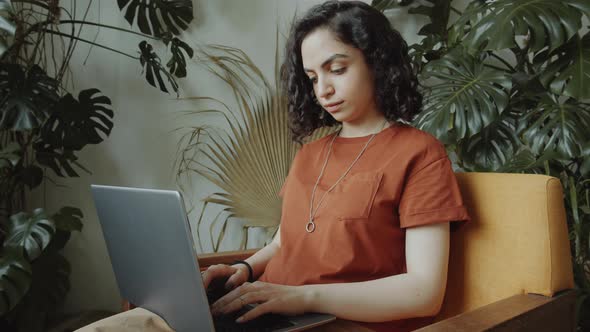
(32, 233)
(155, 17)
(466, 97)
(561, 127)
(250, 160)
(495, 23)
(567, 69)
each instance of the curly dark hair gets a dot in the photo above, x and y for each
(385, 51)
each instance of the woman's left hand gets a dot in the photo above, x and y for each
(289, 300)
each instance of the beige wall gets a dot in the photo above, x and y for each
(141, 149)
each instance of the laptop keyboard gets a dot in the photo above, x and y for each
(227, 323)
(268, 322)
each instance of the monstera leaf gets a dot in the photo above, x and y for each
(494, 146)
(15, 278)
(438, 11)
(495, 23)
(155, 17)
(153, 68)
(466, 97)
(73, 124)
(429, 49)
(61, 161)
(383, 5)
(32, 233)
(26, 97)
(567, 69)
(559, 127)
(49, 286)
(177, 63)
(7, 27)
(9, 155)
(68, 219)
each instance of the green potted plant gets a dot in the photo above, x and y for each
(507, 86)
(43, 126)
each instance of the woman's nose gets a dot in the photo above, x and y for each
(324, 89)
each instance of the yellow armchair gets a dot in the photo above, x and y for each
(510, 267)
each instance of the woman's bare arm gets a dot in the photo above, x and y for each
(259, 260)
(419, 292)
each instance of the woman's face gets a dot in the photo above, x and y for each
(342, 80)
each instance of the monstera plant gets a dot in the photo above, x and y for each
(507, 88)
(43, 127)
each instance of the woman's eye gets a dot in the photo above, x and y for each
(338, 70)
(313, 80)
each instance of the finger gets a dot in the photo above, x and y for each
(235, 280)
(243, 300)
(259, 310)
(216, 271)
(230, 297)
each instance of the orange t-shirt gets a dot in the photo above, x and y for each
(403, 179)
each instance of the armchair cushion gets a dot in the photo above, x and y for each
(517, 242)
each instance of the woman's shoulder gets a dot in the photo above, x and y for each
(418, 136)
(418, 145)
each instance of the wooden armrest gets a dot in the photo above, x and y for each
(227, 257)
(527, 312)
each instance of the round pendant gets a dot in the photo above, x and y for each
(310, 227)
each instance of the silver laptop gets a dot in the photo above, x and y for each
(151, 250)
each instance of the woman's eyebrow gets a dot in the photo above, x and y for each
(330, 59)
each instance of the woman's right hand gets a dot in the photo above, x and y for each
(236, 274)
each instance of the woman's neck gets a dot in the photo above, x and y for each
(363, 129)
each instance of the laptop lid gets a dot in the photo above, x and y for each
(152, 255)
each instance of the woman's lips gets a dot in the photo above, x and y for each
(334, 107)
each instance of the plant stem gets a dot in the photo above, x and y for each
(456, 11)
(574, 206)
(91, 43)
(108, 27)
(503, 61)
(547, 169)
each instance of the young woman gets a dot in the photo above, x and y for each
(364, 233)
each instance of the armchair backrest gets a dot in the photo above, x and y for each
(516, 243)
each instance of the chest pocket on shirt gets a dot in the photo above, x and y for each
(353, 197)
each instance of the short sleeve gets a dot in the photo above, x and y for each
(431, 195)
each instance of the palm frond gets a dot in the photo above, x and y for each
(249, 161)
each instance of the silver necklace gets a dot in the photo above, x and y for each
(310, 226)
